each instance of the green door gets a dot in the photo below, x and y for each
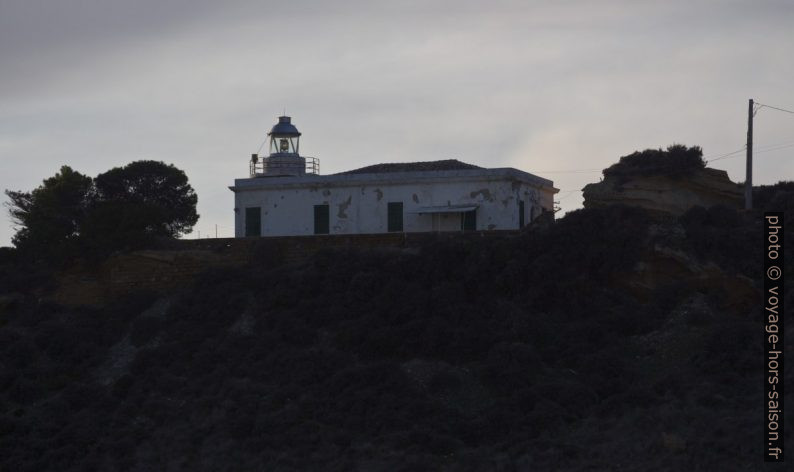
(321, 219)
(395, 217)
(468, 221)
(253, 222)
(521, 213)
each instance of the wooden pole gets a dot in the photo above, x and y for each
(748, 182)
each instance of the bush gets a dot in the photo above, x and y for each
(144, 329)
(777, 197)
(676, 162)
(724, 236)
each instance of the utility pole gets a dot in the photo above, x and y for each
(748, 182)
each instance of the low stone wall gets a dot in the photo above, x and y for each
(176, 263)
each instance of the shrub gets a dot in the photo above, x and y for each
(777, 197)
(144, 329)
(676, 161)
(724, 236)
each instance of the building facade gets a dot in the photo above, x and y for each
(284, 195)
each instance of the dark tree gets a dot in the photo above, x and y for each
(146, 198)
(125, 207)
(49, 218)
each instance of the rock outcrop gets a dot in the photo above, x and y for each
(706, 187)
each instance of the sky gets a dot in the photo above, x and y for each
(560, 89)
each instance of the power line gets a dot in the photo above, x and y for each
(776, 148)
(761, 105)
(568, 194)
(757, 149)
(569, 171)
(719, 157)
(726, 155)
(259, 149)
(773, 145)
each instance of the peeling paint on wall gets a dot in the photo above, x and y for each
(367, 212)
(490, 227)
(532, 196)
(343, 207)
(486, 194)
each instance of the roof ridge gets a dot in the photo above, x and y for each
(444, 164)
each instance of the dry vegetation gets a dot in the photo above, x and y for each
(522, 353)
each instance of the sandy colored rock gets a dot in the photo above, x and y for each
(706, 187)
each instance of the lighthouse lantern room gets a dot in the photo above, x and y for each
(284, 158)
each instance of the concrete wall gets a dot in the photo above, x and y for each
(360, 207)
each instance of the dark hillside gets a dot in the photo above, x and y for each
(529, 352)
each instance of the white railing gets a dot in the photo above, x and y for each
(312, 165)
(264, 165)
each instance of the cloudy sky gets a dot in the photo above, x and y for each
(556, 88)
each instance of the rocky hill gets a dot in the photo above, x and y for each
(667, 181)
(674, 195)
(609, 340)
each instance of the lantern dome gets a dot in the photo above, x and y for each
(284, 128)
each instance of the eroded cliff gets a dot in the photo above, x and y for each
(664, 193)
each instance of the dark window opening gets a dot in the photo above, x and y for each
(468, 221)
(395, 217)
(253, 222)
(321, 219)
(521, 213)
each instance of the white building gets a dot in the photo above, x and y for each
(285, 195)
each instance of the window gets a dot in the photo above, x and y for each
(321, 219)
(395, 217)
(521, 213)
(468, 221)
(253, 222)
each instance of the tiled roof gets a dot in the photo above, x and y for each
(449, 164)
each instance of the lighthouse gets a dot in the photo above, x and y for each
(284, 158)
(285, 195)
